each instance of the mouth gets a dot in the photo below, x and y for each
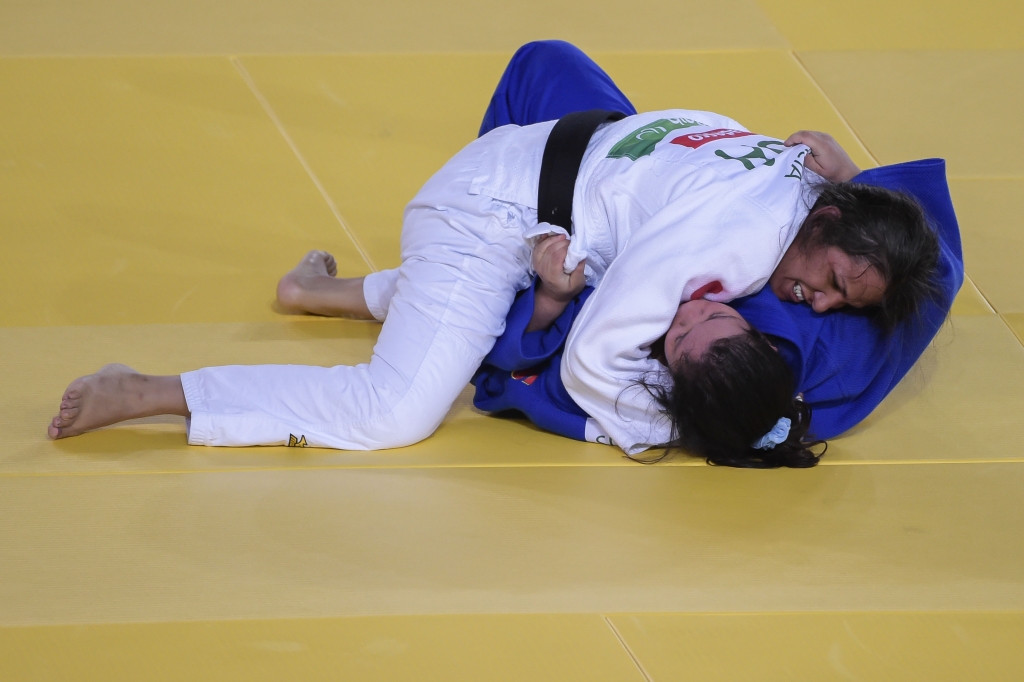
(798, 293)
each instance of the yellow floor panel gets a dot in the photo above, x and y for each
(929, 647)
(375, 128)
(902, 25)
(1016, 323)
(147, 190)
(302, 26)
(970, 301)
(991, 214)
(960, 402)
(207, 546)
(425, 648)
(965, 106)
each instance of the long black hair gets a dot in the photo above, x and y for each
(888, 230)
(723, 402)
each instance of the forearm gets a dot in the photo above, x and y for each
(546, 309)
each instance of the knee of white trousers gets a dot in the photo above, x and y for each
(350, 408)
(378, 290)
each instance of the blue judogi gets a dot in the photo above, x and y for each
(843, 362)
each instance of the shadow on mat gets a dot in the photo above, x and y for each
(121, 441)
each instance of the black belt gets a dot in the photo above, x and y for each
(563, 155)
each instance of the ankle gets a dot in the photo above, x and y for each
(161, 395)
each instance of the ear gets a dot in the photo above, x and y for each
(830, 212)
(813, 221)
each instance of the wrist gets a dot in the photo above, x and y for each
(848, 172)
(561, 297)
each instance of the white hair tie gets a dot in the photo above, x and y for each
(778, 434)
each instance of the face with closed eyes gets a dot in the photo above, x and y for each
(697, 325)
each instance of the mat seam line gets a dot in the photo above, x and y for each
(232, 620)
(817, 85)
(992, 308)
(622, 642)
(1009, 327)
(422, 467)
(244, 73)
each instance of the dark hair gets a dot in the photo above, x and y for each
(723, 402)
(887, 229)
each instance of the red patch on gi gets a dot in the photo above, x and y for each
(714, 287)
(524, 376)
(694, 140)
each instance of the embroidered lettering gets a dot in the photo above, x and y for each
(796, 169)
(755, 154)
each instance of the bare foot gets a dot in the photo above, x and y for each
(312, 287)
(114, 394)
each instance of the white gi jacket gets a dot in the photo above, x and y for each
(666, 204)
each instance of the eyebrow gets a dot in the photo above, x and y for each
(712, 316)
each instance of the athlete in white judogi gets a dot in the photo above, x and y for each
(667, 204)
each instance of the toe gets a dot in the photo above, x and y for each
(53, 432)
(68, 414)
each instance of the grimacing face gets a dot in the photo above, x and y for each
(697, 325)
(825, 277)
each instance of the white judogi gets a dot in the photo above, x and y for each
(666, 203)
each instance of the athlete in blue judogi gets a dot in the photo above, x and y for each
(844, 363)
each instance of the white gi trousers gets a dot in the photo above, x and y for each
(464, 257)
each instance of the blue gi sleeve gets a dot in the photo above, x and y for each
(518, 349)
(523, 370)
(536, 392)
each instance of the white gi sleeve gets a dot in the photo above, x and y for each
(690, 243)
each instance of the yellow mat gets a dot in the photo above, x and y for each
(161, 165)
(932, 647)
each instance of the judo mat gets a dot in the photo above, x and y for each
(163, 163)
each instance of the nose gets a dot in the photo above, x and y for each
(827, 300)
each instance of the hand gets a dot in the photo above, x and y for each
(548, 262)
(827, 158)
